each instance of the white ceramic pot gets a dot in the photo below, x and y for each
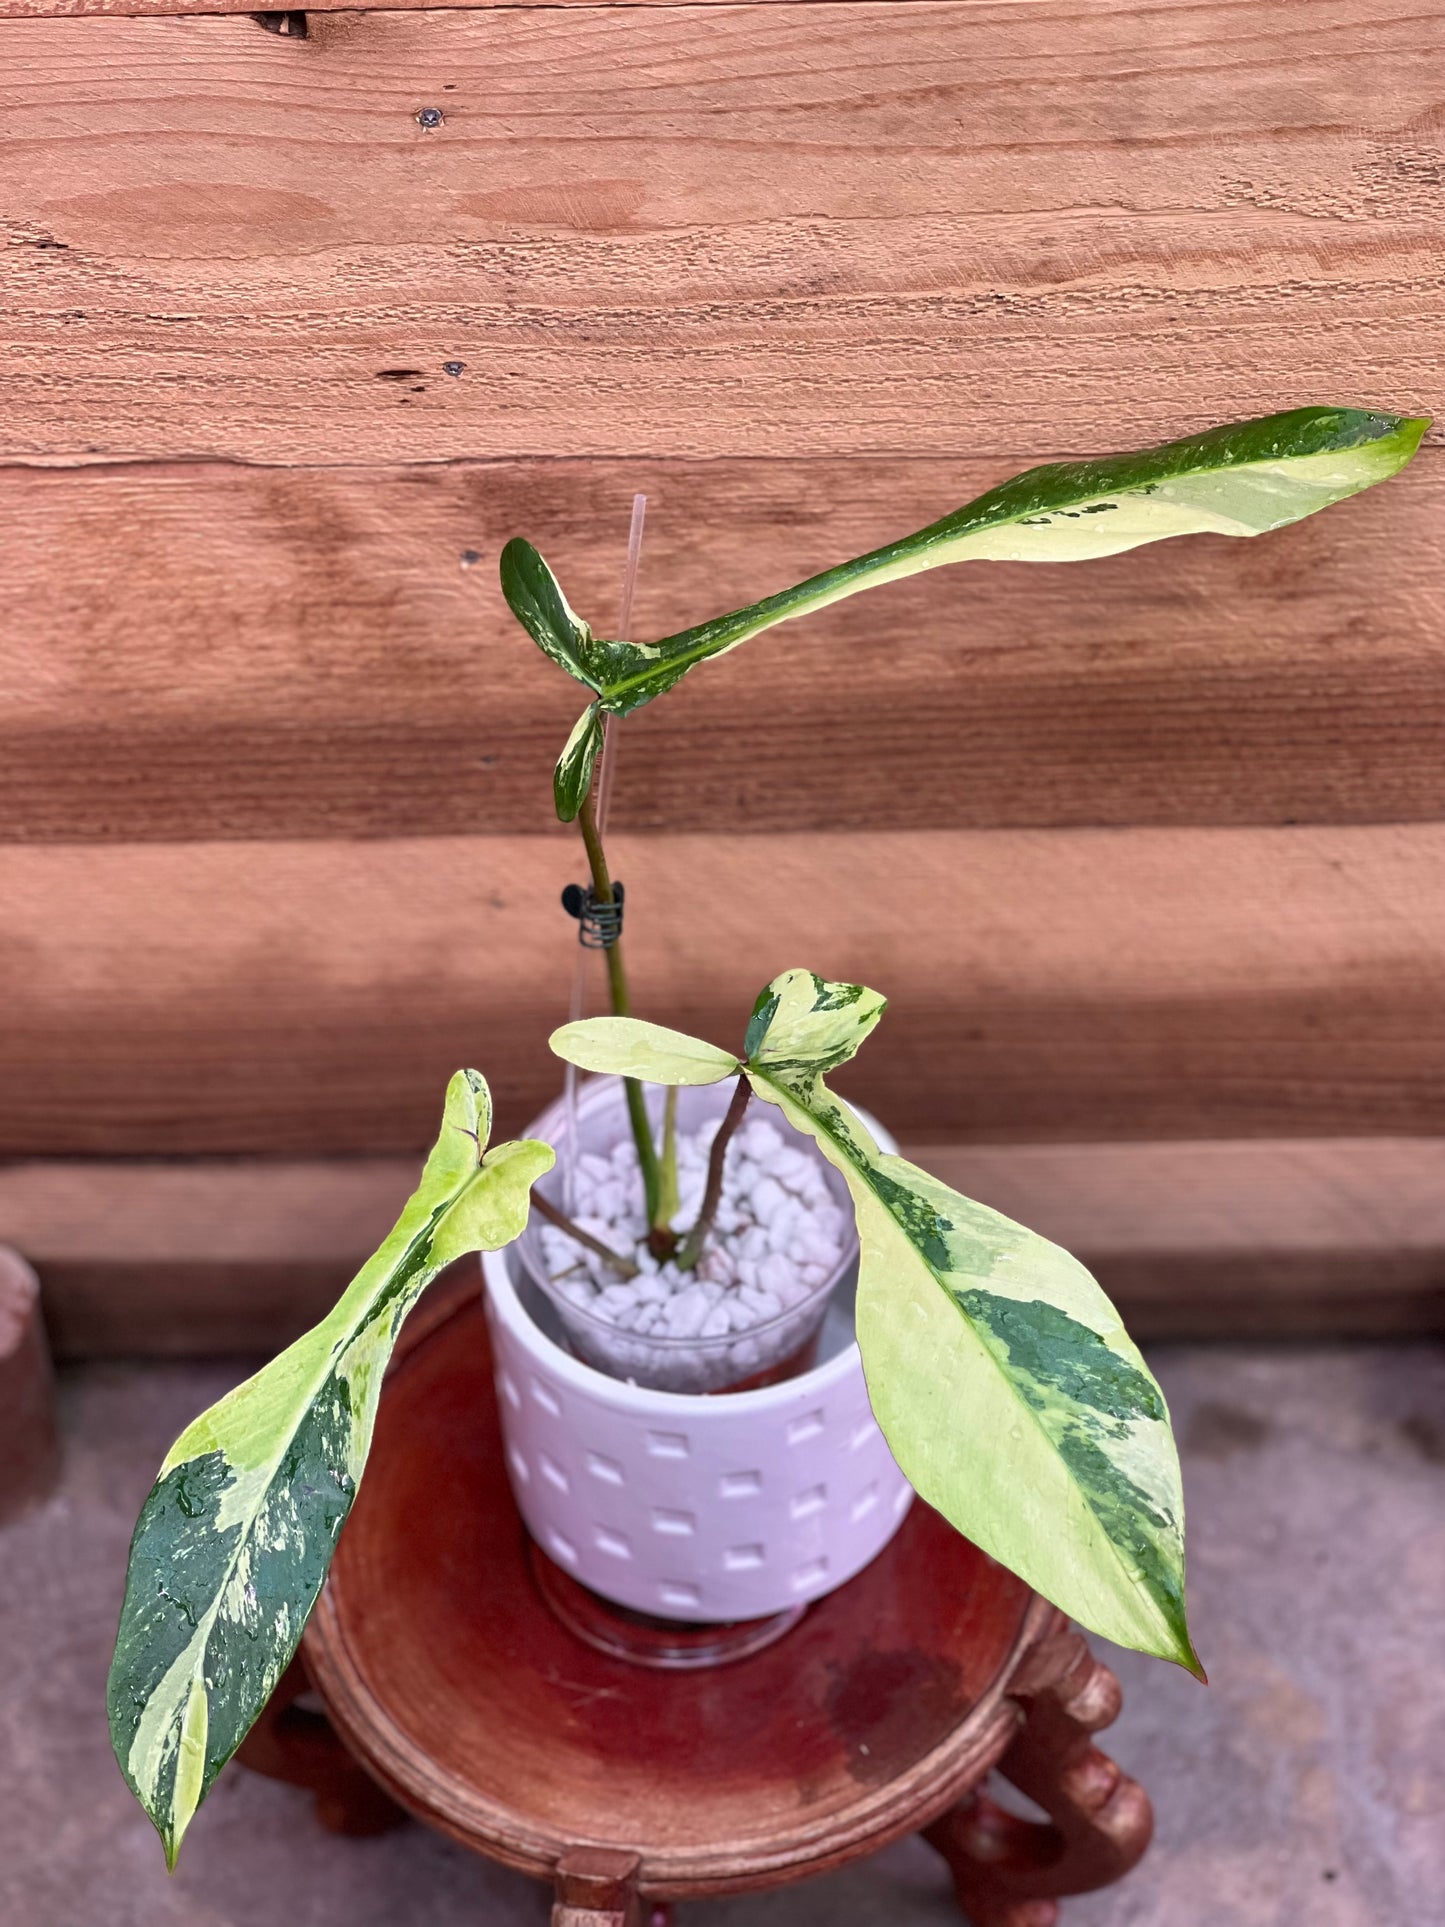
(690, 1507)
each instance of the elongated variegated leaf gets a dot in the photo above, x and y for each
(1240, 480)
(238, 1532)
(535, 598)
(572, 778)
(1003, 1379)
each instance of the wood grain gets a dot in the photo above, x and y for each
(220, 651)
(1066, 985)
(815, 229)
(148, 9)
(1310, 1238)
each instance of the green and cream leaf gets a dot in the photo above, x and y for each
(1001, 1375)
(572, 778)
(1240, 480)
(236, 1537)
(628, 1047)
(802, 1025)
(1003, 1379)
(535, 598)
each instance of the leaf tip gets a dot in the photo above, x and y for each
(1187, 1660)
(1399, 438)
(517, 560)
(1180, 1650)
(1415, 428)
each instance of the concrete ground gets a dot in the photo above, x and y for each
(1304, 1788)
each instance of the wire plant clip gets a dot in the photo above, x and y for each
(599, 924)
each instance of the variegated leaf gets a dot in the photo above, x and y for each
(1243, 479)
(1002, 1377)
(238, 1532)
(628, 1047)
(535, 598)
(572, 778)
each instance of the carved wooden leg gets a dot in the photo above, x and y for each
(293, 1744)
(597, 1887)
(1010, 1872)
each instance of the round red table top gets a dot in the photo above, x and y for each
(451, 1679)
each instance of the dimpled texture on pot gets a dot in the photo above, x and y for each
(692, 1508)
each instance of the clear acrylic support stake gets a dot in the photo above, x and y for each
(607, 767)
(607, 762)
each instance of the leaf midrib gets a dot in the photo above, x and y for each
(781, 604)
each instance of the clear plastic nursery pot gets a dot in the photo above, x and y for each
(685, 1507)
(726, 1361)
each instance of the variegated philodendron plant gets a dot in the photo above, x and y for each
(1001, 1375)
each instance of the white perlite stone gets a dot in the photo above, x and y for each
(777, 1237)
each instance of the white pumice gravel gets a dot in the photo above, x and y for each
(778, 1236)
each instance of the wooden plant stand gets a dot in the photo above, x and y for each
(29, 1435)
(447, 1679)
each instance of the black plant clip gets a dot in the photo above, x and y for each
(600, 923)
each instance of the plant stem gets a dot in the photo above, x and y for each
(624, 1267)
(693, 1243)
(667, 1200)
(660, 1238)
(602, 890)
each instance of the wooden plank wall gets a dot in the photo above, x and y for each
(1145, 851)
(1343, 1238)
